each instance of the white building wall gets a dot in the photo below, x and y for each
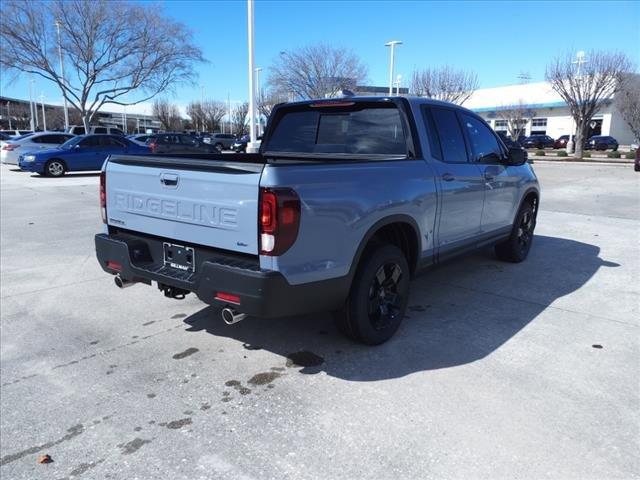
(546, 103)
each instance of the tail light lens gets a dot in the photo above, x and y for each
(10, 147)
(153, 145)
(103, 196)
(279, 220)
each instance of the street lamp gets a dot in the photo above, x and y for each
(251, 147)
(578, 61)
(64, 97)
(391, 44)
(9, 115)
(32, 123)
(397, 84)
(258, 96)
(44, 116)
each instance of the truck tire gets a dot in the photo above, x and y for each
(516, 248)
(55, 168)
(378, 298)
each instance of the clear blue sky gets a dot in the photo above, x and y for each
(497, 40)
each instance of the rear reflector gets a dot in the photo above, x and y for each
(228, 297)
(114, 265)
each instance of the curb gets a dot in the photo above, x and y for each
(604, 161)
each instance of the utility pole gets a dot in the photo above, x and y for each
(33, 125)
(391, 44)
(578, 61)
(44, 116)
(251, 147)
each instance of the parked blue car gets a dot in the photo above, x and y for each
(81, 153)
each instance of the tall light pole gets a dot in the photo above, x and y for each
(202, 108)
(258, 98)
(229, 107)
(578, 61)
(391, 44)
(44, 116)
(397, 84)
(64, 97)
(251, 147)
(32, 123)
(9, 115)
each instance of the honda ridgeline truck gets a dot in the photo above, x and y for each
(346, 201)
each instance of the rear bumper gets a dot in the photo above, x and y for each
(262, 293)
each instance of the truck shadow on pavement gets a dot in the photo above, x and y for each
(458, 313)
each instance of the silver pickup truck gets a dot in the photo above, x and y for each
(346, 201)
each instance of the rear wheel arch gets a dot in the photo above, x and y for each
(399, 230)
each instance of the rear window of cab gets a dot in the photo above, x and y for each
(348, 129)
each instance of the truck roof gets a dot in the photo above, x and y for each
(412, 100)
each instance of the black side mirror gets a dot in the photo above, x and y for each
(517, 156)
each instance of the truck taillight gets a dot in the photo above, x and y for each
(10, 147)
(279, 220)
(103, 196)
(153, 145)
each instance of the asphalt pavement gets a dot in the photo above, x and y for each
(500, 371)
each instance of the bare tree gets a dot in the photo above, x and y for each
(213, 111)
(516, 117)
(269, 99)
(196, 113)
(113, 48)
(586, 86)
(20, 115)
(55, 118)
(628, 103)
(444, 83)
(239, 119)
(316, 71)
(168, 114)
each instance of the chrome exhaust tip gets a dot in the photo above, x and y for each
(230, 316)
(122, 283)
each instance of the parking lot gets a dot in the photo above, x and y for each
(522, 371)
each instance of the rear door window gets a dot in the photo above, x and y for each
(362, 130)
(450, 135)
(100, 130)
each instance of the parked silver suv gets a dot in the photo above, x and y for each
(221, 141)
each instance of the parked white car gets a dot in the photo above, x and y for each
(79, 130)
(16, 133)
(13, 148)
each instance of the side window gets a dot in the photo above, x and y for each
(40, 139)
(449, 135)
(100, 130)
(78, 130)
(187, 140)
(90, 142)
(483, 143)
(117, 131)
(111, 142)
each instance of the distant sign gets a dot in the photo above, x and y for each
(593, 124)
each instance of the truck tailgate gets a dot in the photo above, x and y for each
(212, 203)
